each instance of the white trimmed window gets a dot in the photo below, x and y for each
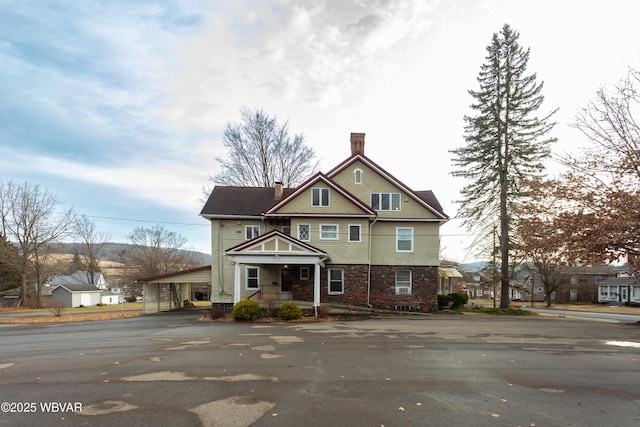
(252, 278)
(403, 282)
(304, 232)
(304, 273)
(385, 201)
(404, 239)
(354, 232)
(320, 197)
(336, 281)
(251, 231)
(357, 176)
(329, 231)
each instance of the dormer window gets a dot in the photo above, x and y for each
(320, 197)
(357, 175)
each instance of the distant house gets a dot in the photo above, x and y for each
(76, 295)
(13, 297)
(77, 289)
(80, 277)
(621, 288)
(109, 297)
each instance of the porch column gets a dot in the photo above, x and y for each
(236, 283)
(316, 285)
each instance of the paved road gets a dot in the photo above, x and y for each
(170, 369)
(591, 315)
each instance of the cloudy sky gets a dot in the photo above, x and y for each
(118, 107)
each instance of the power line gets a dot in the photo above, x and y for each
(145, 220)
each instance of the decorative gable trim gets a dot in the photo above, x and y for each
(386, 175)
(275, 243)
(315, 179)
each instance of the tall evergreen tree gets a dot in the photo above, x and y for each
(505, 142)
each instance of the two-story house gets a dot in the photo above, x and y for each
(354, 235)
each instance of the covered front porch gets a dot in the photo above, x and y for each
(276, 267)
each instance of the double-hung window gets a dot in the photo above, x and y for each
(403, 282)
(329, 231)
(251, 231)
(354, 232)
(320, 197)
(404, 239)
(252, 278)
(336, 281)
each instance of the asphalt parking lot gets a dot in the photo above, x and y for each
(171, 369)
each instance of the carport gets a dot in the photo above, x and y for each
(170, 291)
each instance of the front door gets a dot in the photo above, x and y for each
(285, 279)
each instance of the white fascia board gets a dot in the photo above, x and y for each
(272, 259)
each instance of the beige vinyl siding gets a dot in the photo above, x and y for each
(231, 233)
(302, 204)
(340, 250)
(426, 244)
(374, 183)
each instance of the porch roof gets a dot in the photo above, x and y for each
(276, 247)
(194, 275)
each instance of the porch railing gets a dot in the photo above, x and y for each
(258, 292)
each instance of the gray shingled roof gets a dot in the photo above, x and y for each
(253, 201)
(78, 287)
(77, 277)
(240, 201)
(430, 198)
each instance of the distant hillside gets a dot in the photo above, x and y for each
(113, 252)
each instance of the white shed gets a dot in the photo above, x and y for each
(76, 295)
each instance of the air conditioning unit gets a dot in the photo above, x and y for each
(402, 291)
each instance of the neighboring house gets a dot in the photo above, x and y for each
(621, 287)
(354, 235)
(75, 295)
(70, 281)
(477, 285)
(109, 297)
(80, 277)
(13, 297)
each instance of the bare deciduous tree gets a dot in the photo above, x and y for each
(544, 231)
(606, 175)
(92, 242)
(31, 220)
(156, 251)
(261, 153)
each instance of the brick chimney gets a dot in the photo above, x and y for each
(277, 190)
(357, 143)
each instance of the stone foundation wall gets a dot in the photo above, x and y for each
(424, 293)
